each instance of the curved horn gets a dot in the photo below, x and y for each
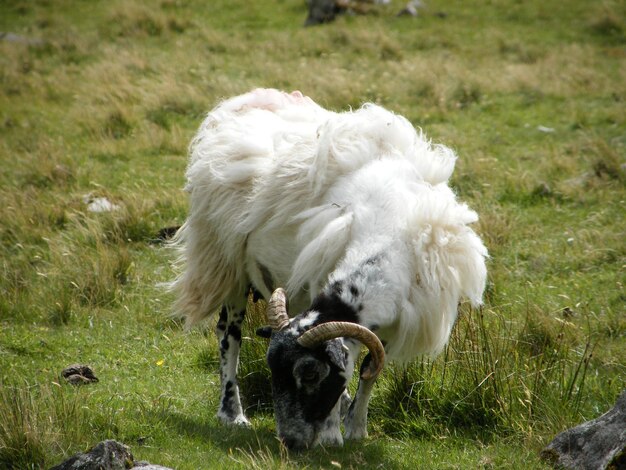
(277, 310)
(337, 329)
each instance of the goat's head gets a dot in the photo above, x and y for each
(310, 370)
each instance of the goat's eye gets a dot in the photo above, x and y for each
(309, 372)
(309, 376)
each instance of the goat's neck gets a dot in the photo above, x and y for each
(364, 288)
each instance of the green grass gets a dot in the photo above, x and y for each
(102, 98)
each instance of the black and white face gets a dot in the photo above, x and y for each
(306, 386)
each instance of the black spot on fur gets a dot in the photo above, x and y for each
(234, 331)
(354, 291)
(337, 288)
(332, 308)
(326, 397)
(227, 406)
(224, 344)
(223, 319)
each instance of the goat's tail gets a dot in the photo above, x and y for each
(206, 278)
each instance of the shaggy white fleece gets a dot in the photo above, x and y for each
(286, 193)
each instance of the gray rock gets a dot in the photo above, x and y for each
(596, 444)
(143, 465)
(411, 8)
(322, 11)
(106, 455)
(12, 37)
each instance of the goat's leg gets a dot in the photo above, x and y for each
(355, 422)
(229, 336)
(345, 403)
(330, 431)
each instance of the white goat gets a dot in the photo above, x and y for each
(352, 214)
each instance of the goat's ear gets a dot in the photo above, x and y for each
(264, 331)
(337, 354)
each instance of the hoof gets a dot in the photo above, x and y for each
(355, 435)
(237, 421)
(354, 429)
(330, 442)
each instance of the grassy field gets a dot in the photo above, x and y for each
(100, 99)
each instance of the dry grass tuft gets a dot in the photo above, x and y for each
(36, 422)
(609, 25)
(117, 125)
(494, 227)
(607, 161)
(24, 433)
(135, 21)
(263, 458)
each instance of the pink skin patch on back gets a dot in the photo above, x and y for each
(298, 98)
(269, 99)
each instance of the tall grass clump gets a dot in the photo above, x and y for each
(37, 421)
(492, 376)
(132, 20)
(92, 276)
(262, 458)
(254, 372)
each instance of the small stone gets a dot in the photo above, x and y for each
(99, 204)
(411, 8)
(322, 11)
(12, 37)
(77, 379)
(143, 465)
(102, 204)
(79, 374)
